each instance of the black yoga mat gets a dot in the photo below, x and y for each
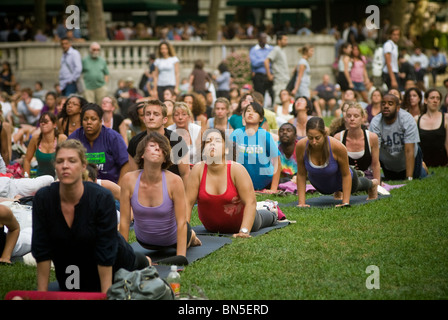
(200, 230)
(209, 244)
(326, 201)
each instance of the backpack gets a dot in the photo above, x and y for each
(144, 284)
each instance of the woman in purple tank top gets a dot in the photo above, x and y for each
(157, 199)
(324, 161)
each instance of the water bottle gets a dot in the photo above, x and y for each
(174, 280)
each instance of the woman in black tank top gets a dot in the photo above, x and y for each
(362, 145)
(433, 130)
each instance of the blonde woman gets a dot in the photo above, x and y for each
(362, 145)
(75, 224)
(111, 118)
(189, 131)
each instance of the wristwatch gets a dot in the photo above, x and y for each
(244, 230)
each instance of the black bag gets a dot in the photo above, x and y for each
(292, 81)
(142, 284)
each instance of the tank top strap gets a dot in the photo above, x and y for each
(343, 137)
(137, 185)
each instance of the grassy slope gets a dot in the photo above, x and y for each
(325, 254)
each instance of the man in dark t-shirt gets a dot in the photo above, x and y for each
(155, 116)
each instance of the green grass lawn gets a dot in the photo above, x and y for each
(324, 255)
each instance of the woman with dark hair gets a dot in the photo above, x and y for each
(301, 111)
(75, 225)
(70, 116)
(345, 64)
(43, 146)
(156, 197)
(50, 103)
(229, 207)
(7, 78)
(105, 146)
(223, 82)
(433, 130)
(256, 150)
(412, 101)
(323, 160)
(198, 78)
(166, 72)
(375, 106)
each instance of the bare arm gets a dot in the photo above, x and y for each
(393, 81)
(346, 71)
(179, 201)
(277, 171)
(5, 140)
(244, 186)
(301, 70)
(375, 153)
(340, 155)
(43, 275)
(267, 64)
(410, 159)
(105, 273)
(125, 205)
(7, 219)
(29, 155)
(191, 193)
(301, 173)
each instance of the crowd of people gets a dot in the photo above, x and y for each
(152, 154)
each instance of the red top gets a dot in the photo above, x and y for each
(220, 213)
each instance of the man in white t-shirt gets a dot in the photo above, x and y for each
(390, 52)
(29, 108)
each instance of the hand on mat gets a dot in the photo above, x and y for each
(343, 205)
(269, 191)
(241, 235)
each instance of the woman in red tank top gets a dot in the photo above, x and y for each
(224, 192)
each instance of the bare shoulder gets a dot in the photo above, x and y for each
(174, 181)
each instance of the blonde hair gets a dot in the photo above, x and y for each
(356, 106)
(182, 106)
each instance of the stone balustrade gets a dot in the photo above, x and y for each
(33, 61)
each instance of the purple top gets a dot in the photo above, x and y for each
(109, 152)
(327, 179)
(154, 225)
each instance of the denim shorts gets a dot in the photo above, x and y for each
(359, 86)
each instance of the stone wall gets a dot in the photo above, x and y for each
(33, 61)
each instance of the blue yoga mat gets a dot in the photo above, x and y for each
(327, 201)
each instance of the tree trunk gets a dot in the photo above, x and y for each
(97, 25)
(212, 21)
(397, 10)
(40, 15)
(418, 18)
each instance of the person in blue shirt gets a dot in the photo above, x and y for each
(257, 56)
(71, 68)
(437, 64)
(257, 151)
